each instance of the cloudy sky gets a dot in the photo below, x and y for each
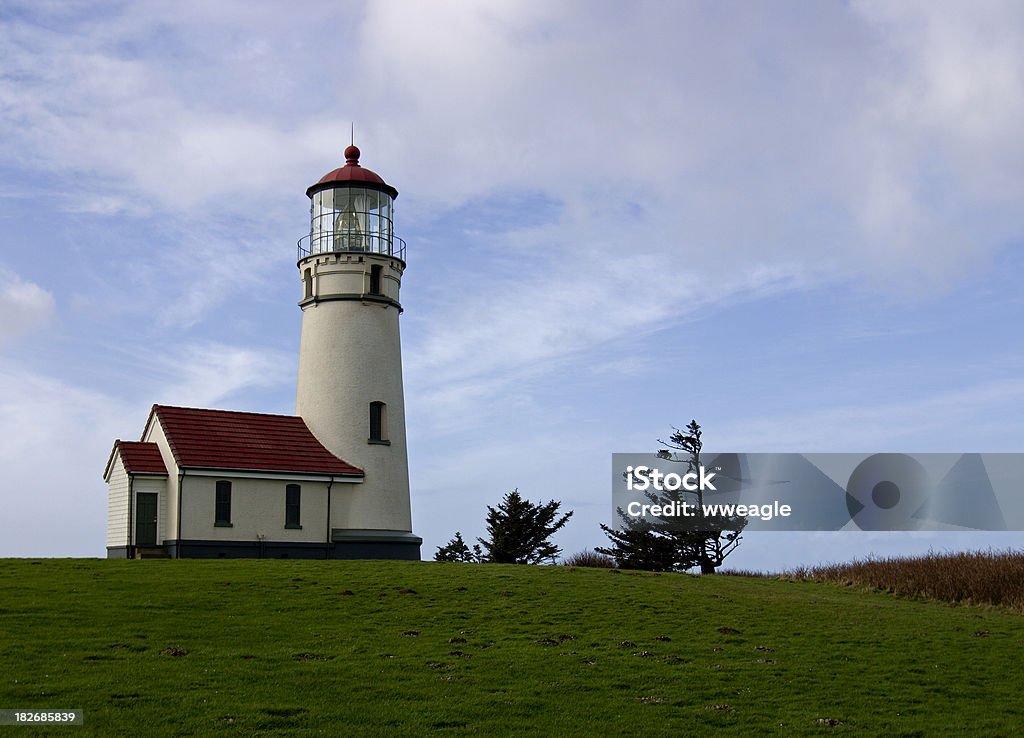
(799, 223)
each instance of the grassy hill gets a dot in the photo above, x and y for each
(399, 648)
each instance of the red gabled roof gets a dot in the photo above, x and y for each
(226, 439)
(137, 458)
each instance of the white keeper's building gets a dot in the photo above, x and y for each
(331, 481)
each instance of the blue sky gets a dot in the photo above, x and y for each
(797, 223)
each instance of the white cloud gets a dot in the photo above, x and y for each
(865, 140)
(460, 365)
(862, 134)
(134, 103)
(936, 170)
(57, 436)
(973, 418)
(209, 374)
(55, 442)
(24, 306)
(859, 139)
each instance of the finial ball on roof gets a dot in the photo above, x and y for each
(352, 155)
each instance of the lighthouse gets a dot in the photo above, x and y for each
(331, 481)
(349, 389)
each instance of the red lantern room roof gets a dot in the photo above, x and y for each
(352, 175)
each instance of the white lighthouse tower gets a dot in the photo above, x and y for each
(350, 359)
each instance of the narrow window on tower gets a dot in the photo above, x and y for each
(379, 423)
(222, 512)
(292, 494)
(307, 284)
(375, 272)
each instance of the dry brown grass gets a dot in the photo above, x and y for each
(967, 577)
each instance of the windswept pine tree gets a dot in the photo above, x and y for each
(665, 546)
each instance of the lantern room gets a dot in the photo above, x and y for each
(351, 211)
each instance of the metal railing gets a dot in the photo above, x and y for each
(350, 241)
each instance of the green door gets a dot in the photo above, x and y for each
(145, 519)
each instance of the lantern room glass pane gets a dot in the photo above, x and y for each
(351, 219)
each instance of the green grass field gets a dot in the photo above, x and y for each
(400, 648)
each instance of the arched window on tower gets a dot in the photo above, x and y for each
(379, 423)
